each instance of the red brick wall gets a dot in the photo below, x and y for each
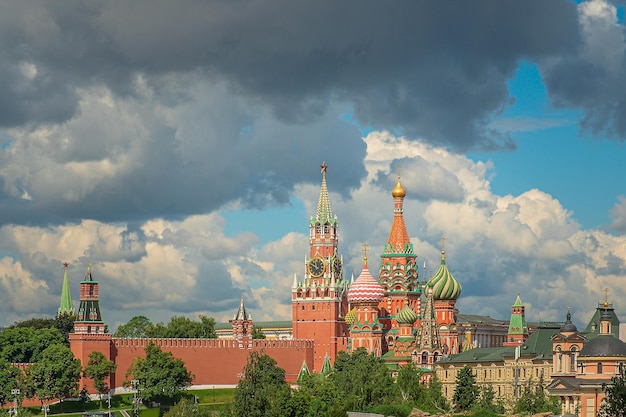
(214, 361)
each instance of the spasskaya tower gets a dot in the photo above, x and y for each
(319, 300)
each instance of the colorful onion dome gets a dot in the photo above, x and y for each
(398, 190)
(351, 316)
(406, 315)
(365, 289)
(443, 284)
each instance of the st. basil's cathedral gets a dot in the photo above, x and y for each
(395, 316)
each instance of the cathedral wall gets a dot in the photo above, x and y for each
(214, 361)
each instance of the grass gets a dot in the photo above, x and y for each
(210, 398)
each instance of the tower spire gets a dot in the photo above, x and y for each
(324, 213)
(66, 307)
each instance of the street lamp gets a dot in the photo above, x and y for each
(15, 393)
(45, 408)
(135, 384)
(109, 401)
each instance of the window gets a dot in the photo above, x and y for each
(424, 357)
(599, 367)
(91, 290)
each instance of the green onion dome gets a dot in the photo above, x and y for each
(406, 315)
(444, 286)
(351, 316)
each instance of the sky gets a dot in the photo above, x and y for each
(177, 147)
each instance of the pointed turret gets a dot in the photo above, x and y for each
(518, 330)
(304, 373)
(242, 313)
(242, 326)
(326, 366)
(66, 307)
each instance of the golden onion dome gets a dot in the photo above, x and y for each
(398, 191)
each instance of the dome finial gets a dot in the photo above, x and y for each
(398, 190)
(606, 298)
(443, 249)
(365, 254)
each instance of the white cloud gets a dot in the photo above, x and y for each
(497, 246)
(603, 36)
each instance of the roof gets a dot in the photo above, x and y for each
(604, 345)
(593, 327)
(477, 355)
(538, 346)
(324, 214)
(366, 289)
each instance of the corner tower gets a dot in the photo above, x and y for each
(398, 271)
(319, 303)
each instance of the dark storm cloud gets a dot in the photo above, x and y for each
(434, 69)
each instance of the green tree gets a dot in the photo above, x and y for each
(614, 404)
(8, 381)
(161, 376)
(362, 380)
(263, 390)
(533, 399)
(26, 344)
(409, 382)
(488, 401)
(433, 399)
(257, 332)
(187, 408)
(99, 369)
(63, 323)
(466, 391)
(56, 375)
(138, 326)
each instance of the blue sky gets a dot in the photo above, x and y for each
(180, 155)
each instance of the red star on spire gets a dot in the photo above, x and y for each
(65, 264)
(324, 166)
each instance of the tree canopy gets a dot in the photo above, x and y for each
(178, 327)
(8, 381)
(99, 369)
(160, 375)
(55, 375)
(614, 404)
(26, 344)
(263, 390)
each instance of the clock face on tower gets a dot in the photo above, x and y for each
(316, 267)
(337, 267)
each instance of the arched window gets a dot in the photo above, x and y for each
(91, 290)
(435, 357)
(572, 357)
(599, 367)
(424, 357)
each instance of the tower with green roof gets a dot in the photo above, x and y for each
(518, 330)
(89, 319)
(66, 308)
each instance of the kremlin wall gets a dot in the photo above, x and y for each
(388, 310)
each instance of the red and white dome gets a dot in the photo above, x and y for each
(365, 289)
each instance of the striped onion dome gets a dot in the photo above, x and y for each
(444, 286)
(351, 316)
(406, 315)
(365, 289)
